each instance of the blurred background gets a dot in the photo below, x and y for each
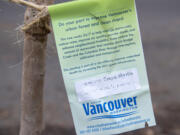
(160, 28)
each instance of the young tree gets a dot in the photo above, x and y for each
(36, 29)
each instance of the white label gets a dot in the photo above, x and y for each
(107, 85)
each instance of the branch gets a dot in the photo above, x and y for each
(29, 4)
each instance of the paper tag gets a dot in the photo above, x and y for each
(101, 56)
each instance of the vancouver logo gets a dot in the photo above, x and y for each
(110, 106)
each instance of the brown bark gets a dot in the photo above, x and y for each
(35, 42)
(32, 86)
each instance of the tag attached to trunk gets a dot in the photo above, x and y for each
(102, 61)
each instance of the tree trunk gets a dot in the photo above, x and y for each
(35, 42)
(32, 86)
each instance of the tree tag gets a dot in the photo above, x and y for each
(102, 61)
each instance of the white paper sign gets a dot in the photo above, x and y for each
(107, 84)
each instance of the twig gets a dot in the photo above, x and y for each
(29, 4)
